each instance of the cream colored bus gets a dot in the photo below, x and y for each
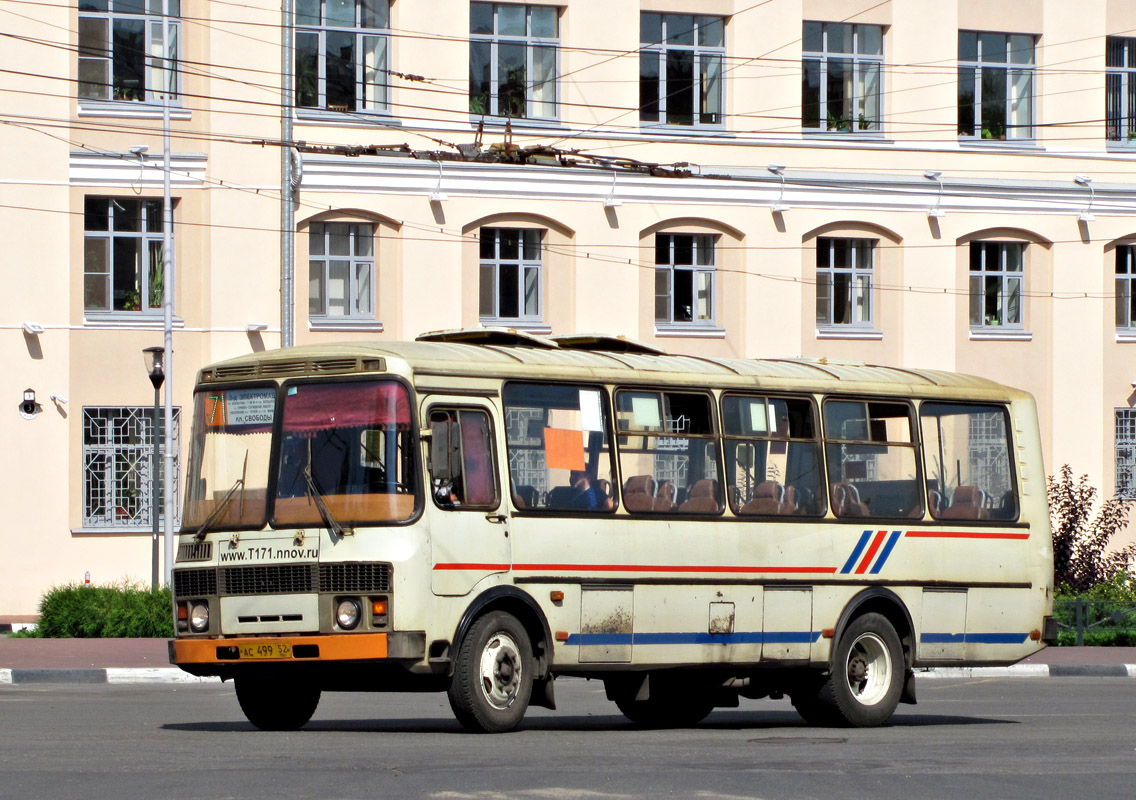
(479, 512)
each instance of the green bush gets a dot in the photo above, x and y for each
(1099, 638)
(125, 610)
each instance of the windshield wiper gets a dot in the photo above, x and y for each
(219, 509)
(317, 496)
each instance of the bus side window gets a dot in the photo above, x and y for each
(462, 473)
(966, 450)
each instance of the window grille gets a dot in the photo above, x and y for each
(118, 452)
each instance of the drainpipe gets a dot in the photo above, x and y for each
(287, 189)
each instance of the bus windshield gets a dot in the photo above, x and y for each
(346, 447)
(227, 485)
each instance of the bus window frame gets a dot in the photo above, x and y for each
(714, 436)
(1011, 449)
(818, 424)
(414, 446)
(494, 465)
(270, 484)
(915, 442)
(609, 431)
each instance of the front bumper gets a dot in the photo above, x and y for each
(405, 645)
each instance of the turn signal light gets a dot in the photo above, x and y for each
(379, 608)
(182, 611)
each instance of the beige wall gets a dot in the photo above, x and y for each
(599, 265)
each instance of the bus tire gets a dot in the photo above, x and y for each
(866, 680)
(274, 705)
(493, 675)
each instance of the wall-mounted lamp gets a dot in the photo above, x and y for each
(936, 211)
(1087, 182)
(438, 196)
(610, 201)
(32, 328)
(28, 406)
(779, 171)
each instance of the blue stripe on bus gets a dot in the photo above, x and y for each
(973, 638)
(856, 553)
(886, 552)
(748, 637)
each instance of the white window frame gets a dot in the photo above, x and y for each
(860, 250)
(1125, 285)
(490, 276)
(312, 24)
(1005, 278)
(149, 252)
(1120, 91)
(860, 63)
(535, 108)
(1126, 453)
(321, 261)
(1010, 62)
(93, 55)
(703, 247)
(657, 51)
(118, 453)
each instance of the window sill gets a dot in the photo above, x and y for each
(115, 530)
(131, 109)
(1027, 145)
(996, 335)
(345, 324)
(845, 136)
(130, 321)
(326, 116)
(515, 324)
(1127, 147)
(718, 131)
(1126, 335)
(529, 123)
(691, 331)
(849, 332)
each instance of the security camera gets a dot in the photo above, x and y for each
(139, 149)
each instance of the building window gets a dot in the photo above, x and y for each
(512, 60)
(341, 54)
(341, 270)
(122, 255)
(842, 65)
(1126, 454)
(120, 49)
(1125, 297)
(997, 271)
(510, 278)
(1120, 105)
(118, 468)
(684, 278)
(844, 281)
(680, 68)
(995, 85)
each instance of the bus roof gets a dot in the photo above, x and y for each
(591, 357)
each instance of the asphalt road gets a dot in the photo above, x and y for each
(1035, 738)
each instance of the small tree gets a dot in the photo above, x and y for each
(1081, 539)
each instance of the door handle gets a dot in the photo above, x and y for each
(498, 518)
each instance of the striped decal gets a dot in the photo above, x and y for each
(857, 565)
(973, 638)
(748, 637)
(966, 535)
(683, 569)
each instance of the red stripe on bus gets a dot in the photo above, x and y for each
(966, 535)
(638, 568)
(875, 546)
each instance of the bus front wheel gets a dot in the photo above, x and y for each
(275, 705)
(866, 681)
(493, 675)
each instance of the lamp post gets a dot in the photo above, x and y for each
(155, 367)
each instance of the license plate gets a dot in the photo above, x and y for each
(267, 650)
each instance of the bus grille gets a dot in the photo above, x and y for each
(269, 579)
(355, 578)
(195, 551)
(195, 582)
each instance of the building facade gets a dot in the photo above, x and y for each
(946, 185)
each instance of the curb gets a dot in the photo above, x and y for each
(168, 675)
(110, 675)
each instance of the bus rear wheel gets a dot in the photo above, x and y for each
(493, 675)
(866, 681)
(273, 705)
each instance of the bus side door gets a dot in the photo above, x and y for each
(469, 531)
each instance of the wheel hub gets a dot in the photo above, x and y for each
(857, 669)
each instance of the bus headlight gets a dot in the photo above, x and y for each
(348, 613)
(199, 618)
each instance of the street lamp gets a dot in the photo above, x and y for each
(154, 358)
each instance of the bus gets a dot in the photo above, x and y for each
(482, 511)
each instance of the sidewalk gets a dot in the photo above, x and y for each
(147, 661)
